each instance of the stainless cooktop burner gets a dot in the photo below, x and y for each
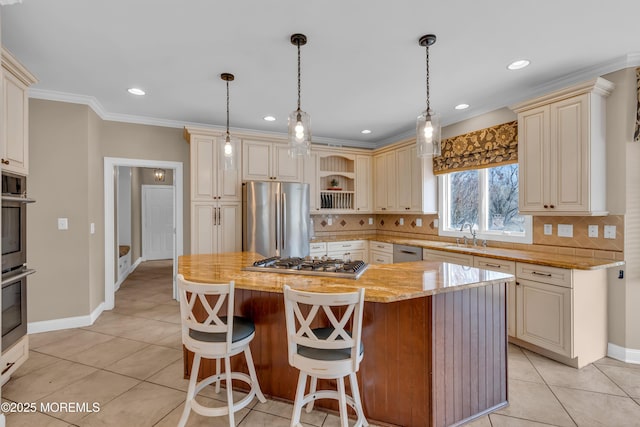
(318, 267)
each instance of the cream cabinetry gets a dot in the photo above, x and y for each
(209, 179)
(269, 161)
(380, 252)
(508, 267)
(445, 256)
(317, 249)
(562, 313)
(404, 182)
(353, 250)
(310, 176)
(14, 138)
(364, 194)
(562, 151)
(13, 357)
(216, 227)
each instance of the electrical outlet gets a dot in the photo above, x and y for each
(593, 231)
(609, 231)
(548, 229)
(435, 223)
(401, 221)
(565, 230)
(370, 221)
(63, 223)
(330, 221)
(419, 222)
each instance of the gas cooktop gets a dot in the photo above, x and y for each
(316, 267)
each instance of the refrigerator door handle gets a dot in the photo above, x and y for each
(283, 211)
(277, 217)
(219, 216)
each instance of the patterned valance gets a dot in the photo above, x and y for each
(636, 134)
(479, 149)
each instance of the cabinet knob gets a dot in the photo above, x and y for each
(551, 206)
(546, 206)
(4, 162)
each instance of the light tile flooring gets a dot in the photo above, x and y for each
(130, 363)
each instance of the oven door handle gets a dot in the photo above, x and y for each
(13, 278)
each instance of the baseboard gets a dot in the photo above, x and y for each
(628, 355)
(65, 323)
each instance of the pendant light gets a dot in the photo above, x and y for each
(428, 123)
(299, 121)
(228, 149)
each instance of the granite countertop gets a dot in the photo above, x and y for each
(382, 283)
(531, 257)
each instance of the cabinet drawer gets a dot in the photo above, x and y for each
(444, 256)
(318, 247)
(379, 257)
(13, 358)
(494, 264)
(381, 247)
(346, 246)
(540, 273)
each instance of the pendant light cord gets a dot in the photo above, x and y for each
(298, 44)
(428, 103)
(227, 109)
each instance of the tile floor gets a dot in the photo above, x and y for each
(130, 362)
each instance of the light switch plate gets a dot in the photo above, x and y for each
(63, 223)
(593, 231)
(370, 221)
(548, 229)
(419, 222)
(565, 230)
(401, 221)
(92, 228)
(330, 221)
(609, 231)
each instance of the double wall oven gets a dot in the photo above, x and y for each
(14, 258)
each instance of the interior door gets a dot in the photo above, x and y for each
(157, 222)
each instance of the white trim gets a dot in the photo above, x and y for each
(131, 269)
(627, 355)
(65, 323)
(109, 207)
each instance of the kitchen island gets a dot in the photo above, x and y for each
(434, 335)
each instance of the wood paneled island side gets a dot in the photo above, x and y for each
(434, 335)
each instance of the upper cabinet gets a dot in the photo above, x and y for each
(269, 161)
(562, 151)
(404, 182)
(14, 138)
(209, 179)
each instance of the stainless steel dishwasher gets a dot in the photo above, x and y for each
(404, 253)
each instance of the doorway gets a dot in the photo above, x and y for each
(111, 254)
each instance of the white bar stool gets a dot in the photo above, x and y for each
(331, 352)
(214, 338)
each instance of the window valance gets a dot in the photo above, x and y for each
(479, 149)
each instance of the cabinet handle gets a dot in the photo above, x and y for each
(9, 365)
(541, 274)
(517, 283)
(5, 162)
(493, 265)
(380, 260)
(219, 217)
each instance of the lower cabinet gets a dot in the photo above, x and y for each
(445, 256)
(349, 250)
(216, 227)
(12, 358)
(317, 250)
(508, 267)
(380, 252)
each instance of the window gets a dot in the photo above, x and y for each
(485, 200)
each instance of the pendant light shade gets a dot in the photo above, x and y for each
(299, 121)
(428, 124)
(229, 150)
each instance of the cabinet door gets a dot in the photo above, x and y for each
(570, 154)
(404, 167)
(256, 161)
(380, 183)
(392, 181)
(15, 135)
(378, 257)
(286, 168)
(202, 168)
(310, 176)
(202, 228)
(544, 316)
(364, 203)
(533, 158)
(229, 227)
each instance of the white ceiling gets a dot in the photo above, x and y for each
(362, 67)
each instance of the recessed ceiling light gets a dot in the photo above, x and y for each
(136, 91)
(461, 106)
(365, 131)
(269, 118)
(520, 63)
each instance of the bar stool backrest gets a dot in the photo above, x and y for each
(208, 298)
(303, 308)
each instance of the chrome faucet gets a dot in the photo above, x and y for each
(472, 231)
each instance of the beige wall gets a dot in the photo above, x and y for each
(68, 143)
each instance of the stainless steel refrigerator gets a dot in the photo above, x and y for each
(275, 218)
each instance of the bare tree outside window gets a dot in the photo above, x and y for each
(464, 198)
(503, 199)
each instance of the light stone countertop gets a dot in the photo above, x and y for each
(531, 257)
(383, 283)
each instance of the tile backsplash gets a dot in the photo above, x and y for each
(406, 225)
